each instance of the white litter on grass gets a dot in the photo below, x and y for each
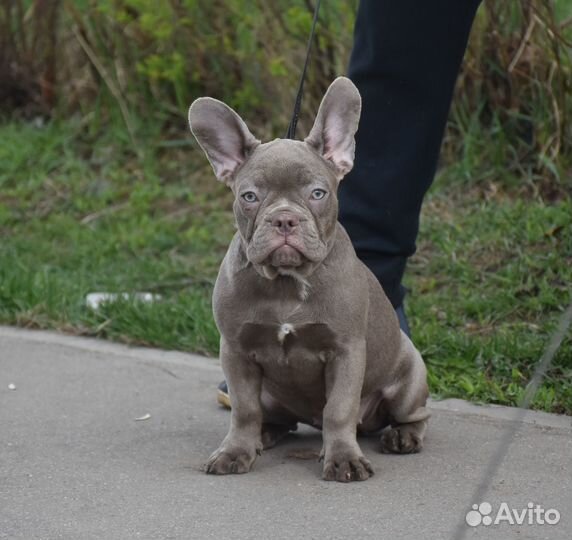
(11, 386)
(144, 417)
(95, 299)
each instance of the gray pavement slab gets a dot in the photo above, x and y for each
(76, 464)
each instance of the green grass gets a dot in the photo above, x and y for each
(71, 225)
(489, 281)
(488, 285)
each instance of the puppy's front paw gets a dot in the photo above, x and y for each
(230, 461)
(346, 467)
(401, 440)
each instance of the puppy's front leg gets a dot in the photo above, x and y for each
(343, 458)
(242, 444)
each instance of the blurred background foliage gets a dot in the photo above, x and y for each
(144, 61)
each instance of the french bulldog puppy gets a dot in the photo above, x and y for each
(307, 333)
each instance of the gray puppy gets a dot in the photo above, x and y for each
(307, 333)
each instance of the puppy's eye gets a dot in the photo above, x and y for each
(250, 196)
(318, 194)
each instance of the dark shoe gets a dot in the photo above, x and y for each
(222, 395)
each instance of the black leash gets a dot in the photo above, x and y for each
(291, 133)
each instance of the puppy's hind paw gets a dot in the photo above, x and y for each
(401, 440)
(273, 433)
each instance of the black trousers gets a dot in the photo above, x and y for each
(405, 61)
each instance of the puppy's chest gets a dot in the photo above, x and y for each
(297, 346)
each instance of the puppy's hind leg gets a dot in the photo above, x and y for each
(406, 404)
(277, 421)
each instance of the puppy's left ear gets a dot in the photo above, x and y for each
(336, 124)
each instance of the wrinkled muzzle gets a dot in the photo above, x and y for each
(286, 238)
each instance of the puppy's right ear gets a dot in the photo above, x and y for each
(222, 135)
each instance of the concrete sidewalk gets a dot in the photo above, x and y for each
(76, 464)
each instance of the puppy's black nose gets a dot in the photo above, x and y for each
(285, 222)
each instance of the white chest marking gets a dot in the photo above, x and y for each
(284, 330)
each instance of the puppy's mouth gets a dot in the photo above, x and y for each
(286, 256)
(273, 253)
